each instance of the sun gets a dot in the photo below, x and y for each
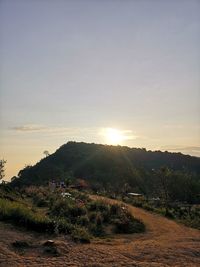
(113, 136)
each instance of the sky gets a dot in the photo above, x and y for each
(103, 71)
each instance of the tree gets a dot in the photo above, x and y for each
(24, 170)
(46, 153)
(2, 168)
(163, 175)
(14, 178)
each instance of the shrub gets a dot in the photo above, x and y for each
(83, 220)
(105, 216)
(75, 211)
(99, 219)
(169, 214)
(62, 226)
(80, 196)
(96, 229)
(40, 201)
(23, 216)
(80, 234)
(128, 226)
(60, 208)
(125, 223)
(148, 207)
(114, 209)
(92, 216)
(194, 223)
(66, 208)
(98, 206)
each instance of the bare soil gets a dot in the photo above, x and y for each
(165, 243)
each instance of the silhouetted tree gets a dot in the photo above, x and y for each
(24, 170)
(2, 168)
(163, 175)
(46, 153)
(112, 167)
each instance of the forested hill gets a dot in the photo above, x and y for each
(104, 164)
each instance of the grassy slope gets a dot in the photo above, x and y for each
(165, 243)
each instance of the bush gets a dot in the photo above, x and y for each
(83, 220)
(92, 216)
(80, 196)
(169, 214)
(40, 201)
(114, 209)
(80, 234)
(60, 208)
(148, 207)
(75, 211)
(128, 226)
(66, 208)
(98, 206)
(62, 226)
(69, 216)
(97, 229)
(23, 216)
(99, 219)
(125, 223)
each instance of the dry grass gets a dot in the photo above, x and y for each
(165, 243)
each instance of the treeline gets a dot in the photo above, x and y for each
(119, 169)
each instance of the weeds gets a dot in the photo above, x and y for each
(81, 217)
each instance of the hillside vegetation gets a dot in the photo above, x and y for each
(42, 210)
(164, 243)
(119, 169)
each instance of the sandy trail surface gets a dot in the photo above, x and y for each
(165, 243)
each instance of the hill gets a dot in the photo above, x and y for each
(114, 167)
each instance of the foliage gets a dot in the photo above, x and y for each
(117, 169)
(23, 216)
(124, 222)
(83, 220)
(184, 213)
(2, 168)
(66, 214)
(128, 226)
(80, 234)
(78, 215)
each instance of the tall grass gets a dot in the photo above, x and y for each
(82, 219)
(23, 216)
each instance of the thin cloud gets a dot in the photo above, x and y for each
(67, 131)
(189, 148)
(29, 128)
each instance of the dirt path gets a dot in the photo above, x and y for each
(165, 243)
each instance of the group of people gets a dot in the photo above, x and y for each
(53, 184)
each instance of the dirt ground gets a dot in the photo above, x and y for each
(165, 243)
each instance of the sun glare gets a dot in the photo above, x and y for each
(113, 136)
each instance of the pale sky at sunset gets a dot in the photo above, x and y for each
(71, 70)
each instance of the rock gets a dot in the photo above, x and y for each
(49, 243)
